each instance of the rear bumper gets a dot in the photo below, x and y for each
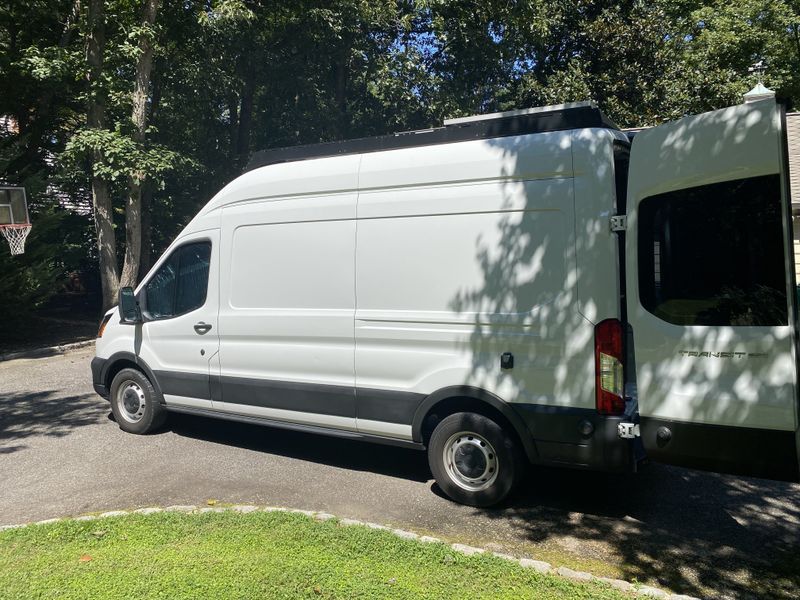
(98, 366)
(723, 449)
(577, 438)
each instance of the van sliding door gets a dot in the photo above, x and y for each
(711, 292)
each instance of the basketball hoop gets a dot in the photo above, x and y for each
(14, 222)
(16, 235)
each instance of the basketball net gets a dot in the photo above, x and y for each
(16, 235)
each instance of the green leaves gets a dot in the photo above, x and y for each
(226, 13)
(114, 155)
(49, 63)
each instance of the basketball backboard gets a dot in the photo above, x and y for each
(13, 206)
(14, 221)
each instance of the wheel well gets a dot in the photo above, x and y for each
(456, 404)
(117, 367)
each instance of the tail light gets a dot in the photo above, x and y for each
(103, 324)
(608, 364)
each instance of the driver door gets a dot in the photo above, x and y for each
(180, 337)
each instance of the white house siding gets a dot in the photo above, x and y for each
(793, 138)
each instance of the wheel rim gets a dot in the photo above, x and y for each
(131, 401)
(470, 461)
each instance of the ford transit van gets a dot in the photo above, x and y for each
(524, 287)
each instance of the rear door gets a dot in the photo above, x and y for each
(711, 292)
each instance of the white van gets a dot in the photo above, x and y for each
(525, 287)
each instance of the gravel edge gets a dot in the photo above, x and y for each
(537, 565)
(48, 351)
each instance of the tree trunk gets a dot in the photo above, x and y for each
(146, 260)
(233, 111)
(106, 240)
(95, 119)
(147, 222)
(245, 115)
(133, 207)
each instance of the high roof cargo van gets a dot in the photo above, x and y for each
(525, 287)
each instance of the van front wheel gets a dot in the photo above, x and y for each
(134, 402)
(474, 461)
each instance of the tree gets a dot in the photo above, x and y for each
(119, 154)
(95, 122)
(138, 111)
(136, 179)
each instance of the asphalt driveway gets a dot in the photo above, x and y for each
(692, 532)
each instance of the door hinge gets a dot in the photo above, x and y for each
(619, 222)
(628, 431)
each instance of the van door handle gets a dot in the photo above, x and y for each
(202, 328)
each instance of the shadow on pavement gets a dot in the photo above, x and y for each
(336, 452)
(696, 533)
(47, 413)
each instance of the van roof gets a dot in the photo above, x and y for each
(560, 117)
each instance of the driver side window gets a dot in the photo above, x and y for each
(180, 284)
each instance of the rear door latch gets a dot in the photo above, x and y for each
(628, 431)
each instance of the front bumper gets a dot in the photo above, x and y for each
(98, 366)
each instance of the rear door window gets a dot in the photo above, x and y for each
(713, 254)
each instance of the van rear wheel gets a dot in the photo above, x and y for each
(474, 460)
(135, 403)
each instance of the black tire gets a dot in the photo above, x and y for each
(150, 413)
(485, 462)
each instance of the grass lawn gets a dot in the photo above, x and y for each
(254, 555)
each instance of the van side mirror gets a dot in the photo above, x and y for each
(129, 306)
